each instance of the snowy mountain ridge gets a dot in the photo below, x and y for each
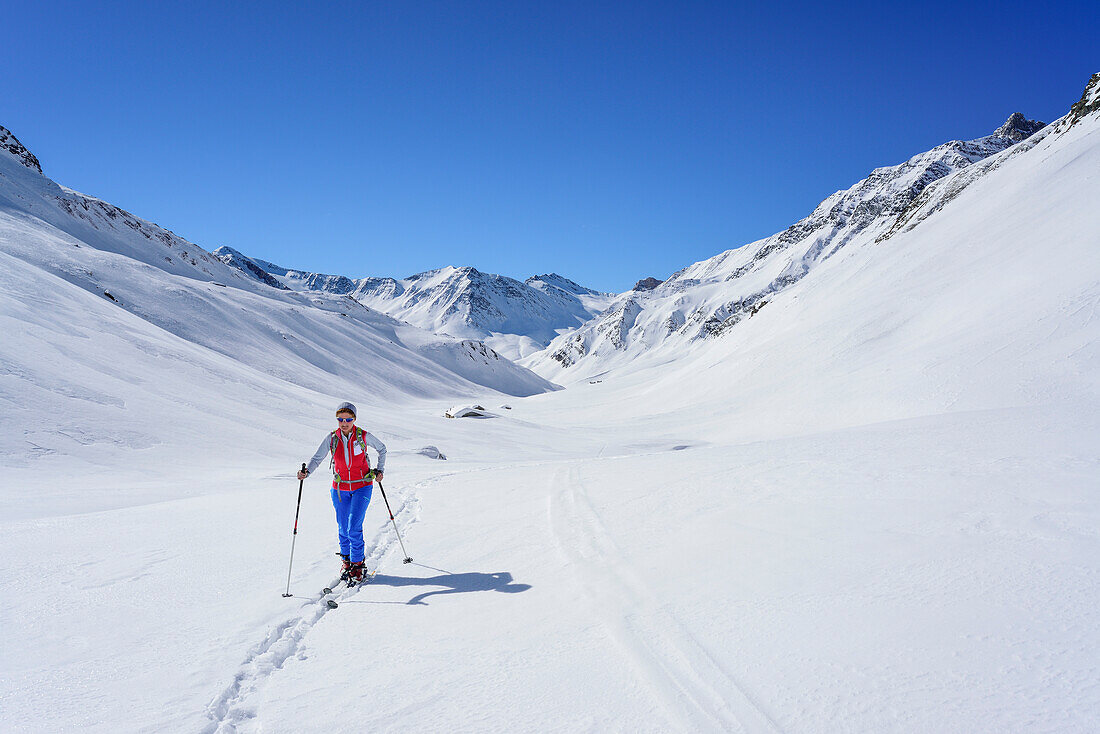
(706, 299)
(933, 198)
(553, 280)
(515, 318)
(240, 261)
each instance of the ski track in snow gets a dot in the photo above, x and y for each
(697, 690)
(230, 709)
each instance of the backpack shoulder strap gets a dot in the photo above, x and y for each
(332, 455)
(360, 434)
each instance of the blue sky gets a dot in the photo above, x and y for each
(606, 141)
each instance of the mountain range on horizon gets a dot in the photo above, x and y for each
(561, 330)
(515, 318)
(565, 331)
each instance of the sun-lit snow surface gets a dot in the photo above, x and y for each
(515, 319)
(872, 506)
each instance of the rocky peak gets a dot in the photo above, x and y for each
(235, 259)
(11, 144)
(647, 285)
(1089, 102)
(1017, 127)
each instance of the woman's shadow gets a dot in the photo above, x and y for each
(452, 583)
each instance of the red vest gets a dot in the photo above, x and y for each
(350, 478)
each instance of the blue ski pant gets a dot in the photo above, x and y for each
(351, 508)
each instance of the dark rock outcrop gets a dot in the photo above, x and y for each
(12, 145)
(1017, 127)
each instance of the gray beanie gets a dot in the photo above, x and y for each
(347, 407)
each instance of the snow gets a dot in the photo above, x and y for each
(468, 411)
(870, 506)
(764, 586)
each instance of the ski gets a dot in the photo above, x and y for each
(367, 577)
(332, 603)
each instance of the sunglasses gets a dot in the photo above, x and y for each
(345, 420)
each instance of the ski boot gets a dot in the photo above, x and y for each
(355, 573)
(345, 566)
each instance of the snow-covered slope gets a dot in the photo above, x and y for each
(514, 318)
(79, 271)
(707, 299)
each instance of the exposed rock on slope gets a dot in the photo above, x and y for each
(235, 259)
(11, 144)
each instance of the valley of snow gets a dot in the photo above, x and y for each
(871, 506)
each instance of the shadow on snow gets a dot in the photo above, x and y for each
(450, 583)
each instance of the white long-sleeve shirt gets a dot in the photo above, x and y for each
(346, 444)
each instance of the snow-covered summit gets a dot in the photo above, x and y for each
(515, 318)
(553, 280)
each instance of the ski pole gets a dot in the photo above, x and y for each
(383, 490)
(295, 540)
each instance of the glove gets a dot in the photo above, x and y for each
(378, 474)
(302, 474)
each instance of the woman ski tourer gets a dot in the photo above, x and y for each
(352, 482)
